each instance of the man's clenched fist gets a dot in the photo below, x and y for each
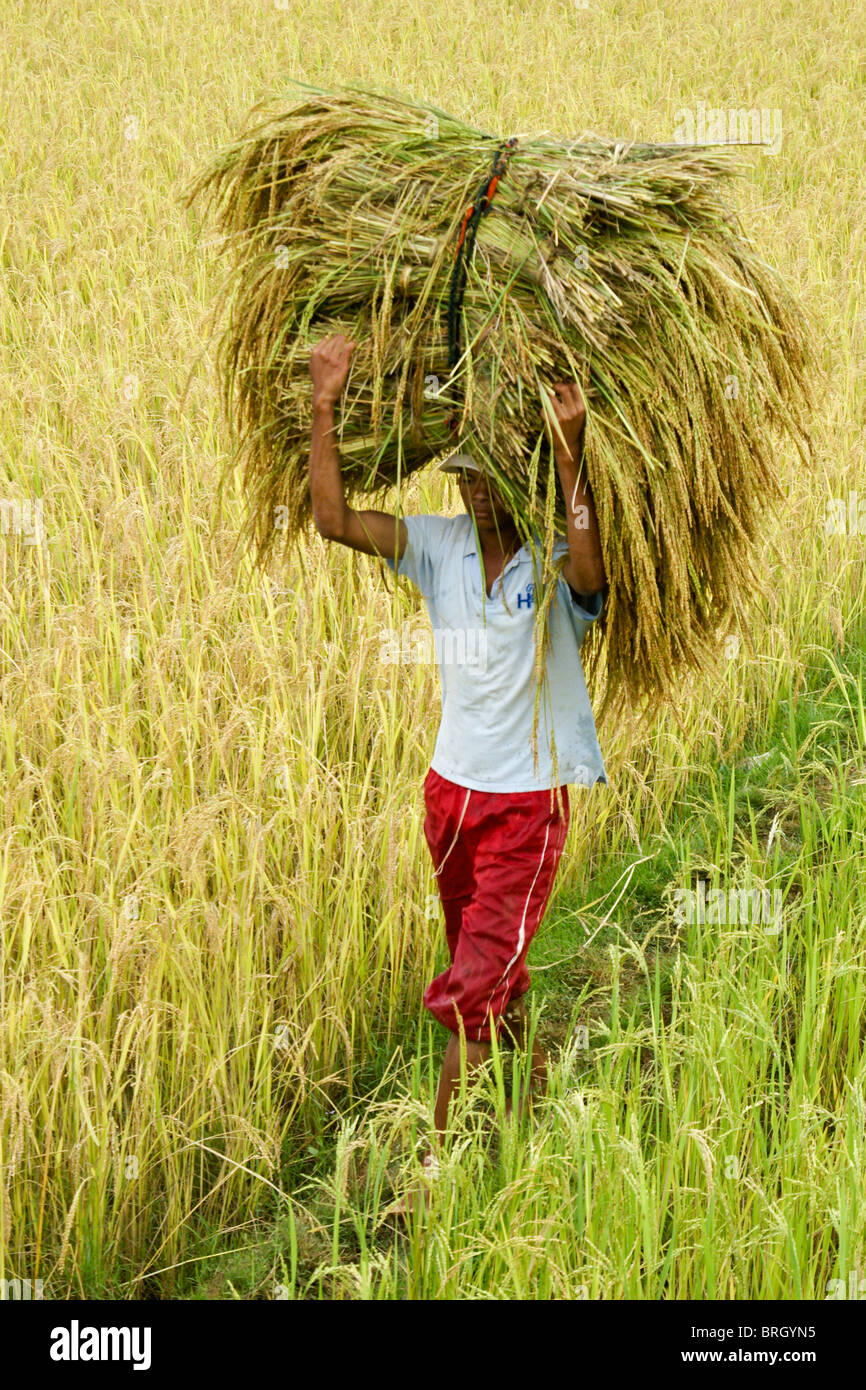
(329, 367)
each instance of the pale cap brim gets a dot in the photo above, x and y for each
(456, 463)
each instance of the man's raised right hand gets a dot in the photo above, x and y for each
(329, 367)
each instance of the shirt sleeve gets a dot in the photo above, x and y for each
(591, 609)
(423, 544)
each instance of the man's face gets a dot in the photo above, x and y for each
(481, 498)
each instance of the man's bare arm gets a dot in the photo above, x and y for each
(374, 533)
(584, 570)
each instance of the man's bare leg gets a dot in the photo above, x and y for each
(449, 1081)
(515, 1032)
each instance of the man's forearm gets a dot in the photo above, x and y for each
(326, 482)
(584, 541)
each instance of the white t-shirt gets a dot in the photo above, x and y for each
(486, 665)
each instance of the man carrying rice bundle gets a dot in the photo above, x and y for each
(621, 264)
(497, 817)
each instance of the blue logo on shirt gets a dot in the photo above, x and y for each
(524, 600)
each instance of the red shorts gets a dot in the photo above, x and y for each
(495, 856)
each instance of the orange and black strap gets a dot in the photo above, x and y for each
(464, 248)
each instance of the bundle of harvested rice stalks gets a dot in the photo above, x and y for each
(473, 273)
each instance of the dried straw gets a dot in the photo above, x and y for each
(619, 265)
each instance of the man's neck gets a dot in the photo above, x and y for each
(497, 545)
